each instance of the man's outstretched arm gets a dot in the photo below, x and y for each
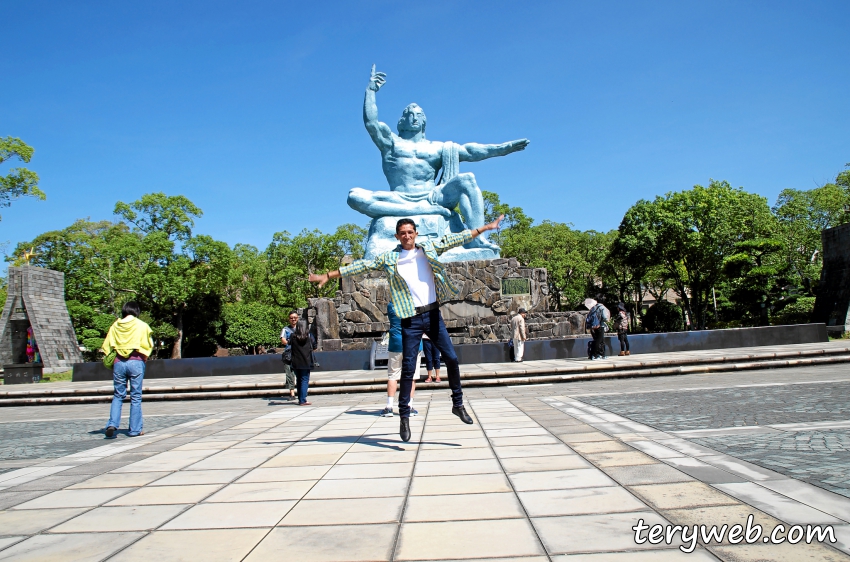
(473, 152)
(455, 239)
(354, 268)
(380, 133)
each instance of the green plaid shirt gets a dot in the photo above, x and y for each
(388, 261)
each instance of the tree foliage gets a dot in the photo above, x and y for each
(290, 259)
(18, 182)
(252, 324)
(690, 234)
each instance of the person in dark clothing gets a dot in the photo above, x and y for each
(432, 359)
(622, 327)
(597, 316)
(303, 343)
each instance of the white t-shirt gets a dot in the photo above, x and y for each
(414, 268)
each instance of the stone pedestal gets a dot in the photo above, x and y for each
(22, 373)
(832, 306)
(36, 297)
(491, 291)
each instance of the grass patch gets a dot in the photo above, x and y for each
(64, 376)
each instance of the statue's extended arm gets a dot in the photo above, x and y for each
(380, 132)
(473, 152)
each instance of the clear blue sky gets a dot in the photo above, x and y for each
(253, 109)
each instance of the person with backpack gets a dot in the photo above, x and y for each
(303, 343)
(621, 324)
(597, 316)
(128, 344)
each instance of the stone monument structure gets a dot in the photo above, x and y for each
(490, 293)
(832, 306)
(36, 300)
(411, 164)
(426, 185)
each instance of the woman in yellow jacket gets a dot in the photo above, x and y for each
(131, 340)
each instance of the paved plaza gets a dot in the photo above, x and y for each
(548, 472)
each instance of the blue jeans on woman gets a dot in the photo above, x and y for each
(122, 373)
(412, 328)
(302, 381)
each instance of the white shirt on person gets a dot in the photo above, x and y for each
(414, 268)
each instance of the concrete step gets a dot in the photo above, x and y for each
(537, 372)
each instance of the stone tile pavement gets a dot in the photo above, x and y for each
(800, 430)
(543, 474)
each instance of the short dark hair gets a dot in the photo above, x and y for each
(130, 308)
(291, 312)
(402, 222)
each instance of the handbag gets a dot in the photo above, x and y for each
(109, 359)
(286, 356)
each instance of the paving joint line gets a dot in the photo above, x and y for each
(510, 482)
(409, 485)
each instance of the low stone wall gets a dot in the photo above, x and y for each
(490, 294)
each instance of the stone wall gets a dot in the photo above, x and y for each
(832, 306)
(481, 313)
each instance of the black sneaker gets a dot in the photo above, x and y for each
(110, 432)
(460, 412)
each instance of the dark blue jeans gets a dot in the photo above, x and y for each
(302, 381)
(412, 328)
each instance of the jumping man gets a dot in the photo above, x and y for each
(418, 282)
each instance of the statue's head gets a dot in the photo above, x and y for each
(412, 119)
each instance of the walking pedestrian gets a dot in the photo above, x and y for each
(303, 343)
(622, 327)
(394, 362)
(285, 336)
(418, 283)
(432, 359)
(519, 334)
(131, 340)
(597, 316)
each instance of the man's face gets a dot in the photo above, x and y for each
(414, 120)
(407, 236)
(293, 319)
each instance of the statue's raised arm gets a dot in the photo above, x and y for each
(380, 132)
(474, 152)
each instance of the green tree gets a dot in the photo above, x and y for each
(756, 273)
(290, 259)
(802, 215)
(19, 181)
(173, 267)
(249, 325)
(664, 316)
(690, 234)
(248, 276)
(515, 223)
